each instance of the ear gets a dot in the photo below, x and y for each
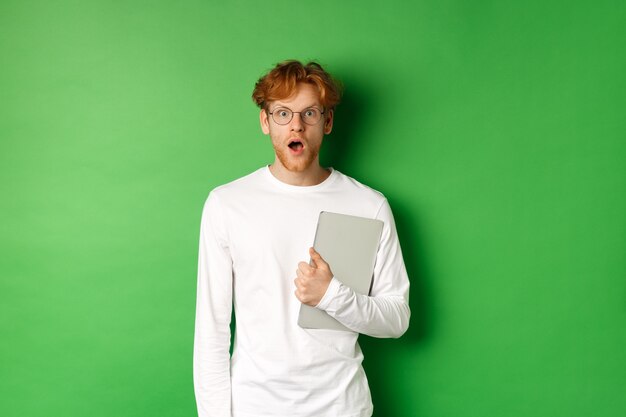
(328, 122)
(265, 123)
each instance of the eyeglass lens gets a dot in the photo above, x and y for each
(310, 116)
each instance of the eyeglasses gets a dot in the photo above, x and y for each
(310, 116)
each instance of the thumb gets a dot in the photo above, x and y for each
(317, 259)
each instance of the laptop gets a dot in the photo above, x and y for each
(349, 245)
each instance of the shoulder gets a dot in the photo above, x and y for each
(237, 187)
(360, 190)
(223, 197)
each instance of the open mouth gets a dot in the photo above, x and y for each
(296, 146)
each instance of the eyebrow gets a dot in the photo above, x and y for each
(279, 104)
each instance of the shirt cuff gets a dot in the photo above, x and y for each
(330, 293)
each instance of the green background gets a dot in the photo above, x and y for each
(496, 130)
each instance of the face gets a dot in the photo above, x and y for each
(297, 144)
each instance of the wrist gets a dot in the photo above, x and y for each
(329, 294)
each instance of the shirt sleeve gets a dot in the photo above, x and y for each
(385, 311)
(211, 357)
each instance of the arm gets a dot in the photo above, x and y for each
(385, 312)
(211, 358)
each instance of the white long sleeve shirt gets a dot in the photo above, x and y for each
(254, 231)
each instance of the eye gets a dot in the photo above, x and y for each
(283, 113)
(310, 113)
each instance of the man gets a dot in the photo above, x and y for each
(255, 239)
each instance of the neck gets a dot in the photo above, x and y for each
(313, 175)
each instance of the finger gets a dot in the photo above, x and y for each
(301, 297)
(312, 263)
(299, 284)
(305, 268)
(317, 258)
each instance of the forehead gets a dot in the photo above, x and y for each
(305, 95)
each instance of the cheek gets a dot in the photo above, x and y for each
(320, 135)
(275, 138)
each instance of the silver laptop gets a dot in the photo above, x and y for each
(349, 244)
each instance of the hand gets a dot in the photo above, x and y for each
(313, 280)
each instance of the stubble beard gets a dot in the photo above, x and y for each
(299, 164)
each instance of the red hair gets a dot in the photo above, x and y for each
(281, 82)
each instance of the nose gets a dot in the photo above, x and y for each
(296, 122)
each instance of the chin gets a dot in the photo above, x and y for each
(299, 165)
